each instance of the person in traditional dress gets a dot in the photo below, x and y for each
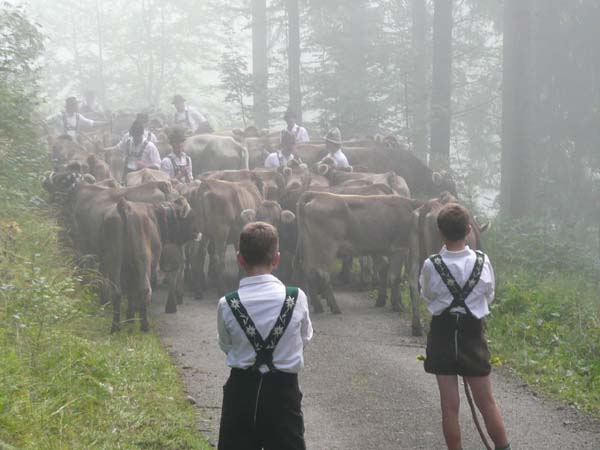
(189, 117)
(177, 164)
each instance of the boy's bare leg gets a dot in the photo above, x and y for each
(450, 400)
(481, 387)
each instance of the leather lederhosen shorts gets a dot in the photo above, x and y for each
(456, 345)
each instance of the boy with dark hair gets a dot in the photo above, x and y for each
(263, 328)
(458, 285)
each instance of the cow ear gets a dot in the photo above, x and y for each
(287, 216)
(248, 215)
(89, 178)
(322, 169)
(436, 177)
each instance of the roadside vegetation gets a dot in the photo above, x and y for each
(545, 324)
(65, 382)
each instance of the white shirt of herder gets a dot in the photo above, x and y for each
(340, 159)
(150, 155)
(300, 133)
(460, 264)
(74, 122)
(182, 161)
(277, 159)
(190, 118)
(263, 297)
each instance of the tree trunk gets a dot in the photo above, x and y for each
(260, 63)
(441, 95)
(419, 85)
(294, 55)
(516, 185)
(100, 52)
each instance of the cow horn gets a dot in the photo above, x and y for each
(248, 216)
(436, 177)
(322, 169)
(287, 216)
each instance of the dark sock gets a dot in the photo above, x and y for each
(508, 447)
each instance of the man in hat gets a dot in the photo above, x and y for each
(148, 135)
(70, 122)
(178, 165)
(189, 117)
(299, 132)
(139, 152)
(333, 145)
(282, 157)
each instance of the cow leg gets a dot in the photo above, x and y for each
(345, 273)
(413, 282)
(366, 271)
(144, 302)
(398, 262)
(212, 263)
(198, 258)
(219, 265)
(171, 306)
(313, 292)
(382, 268)
(180, 286)
(325, 280)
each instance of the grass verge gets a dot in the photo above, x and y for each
(545, 324)
(66, 383)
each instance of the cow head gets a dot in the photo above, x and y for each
(65, 182)
(282, 219)
(177, 222)
(443, 182)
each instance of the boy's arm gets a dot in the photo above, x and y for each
(224, 336)
(306, 329)
(425, 282)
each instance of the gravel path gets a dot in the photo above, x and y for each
(364, 387)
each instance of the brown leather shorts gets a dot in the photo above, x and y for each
(456, 345)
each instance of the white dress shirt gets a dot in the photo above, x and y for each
(277, 159)
(263, 297)
(300, 133)
(340, 159)
(183, 161)
(460, 264)
(147, 135)
(189, 118)
(150, 155)
(70, 124)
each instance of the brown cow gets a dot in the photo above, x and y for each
(343, 178)
(218, 206)
(425, 241)
(211, 152)
(144, 176)
(148, 227)
(332, 226)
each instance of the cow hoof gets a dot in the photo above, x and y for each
(417, 330)
(336, 310)
(317, 310)
(199, 296)
(171, 310)
(380, 303)
(396, 307)
(115, 328)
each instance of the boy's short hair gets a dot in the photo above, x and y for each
(259, 243)
(453, 222)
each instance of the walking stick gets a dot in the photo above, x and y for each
(475, 418)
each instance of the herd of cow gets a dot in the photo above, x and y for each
(323, 215)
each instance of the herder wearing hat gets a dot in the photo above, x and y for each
(70, 122)
(263, 329)
(333, 145)
(282, 157)
(178, 165)
(300, 133)
(139, 152)
(189, 117)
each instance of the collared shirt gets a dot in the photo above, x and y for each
(145, 151)
(189, 118)
(278, 159)
(300, 133)
(263, 297)
(340, 159)
(148, 135)
(183, 162)
(70, 124)
(460, 264)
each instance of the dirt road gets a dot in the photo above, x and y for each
(363, 386)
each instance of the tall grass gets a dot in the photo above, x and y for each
(65, 382)
(545, 323)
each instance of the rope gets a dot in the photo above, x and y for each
(475, 418)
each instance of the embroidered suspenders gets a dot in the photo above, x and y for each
(264, 348)
(459, 294)
(68, 127)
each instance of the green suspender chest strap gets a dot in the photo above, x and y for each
(264, 348)
(459, 293)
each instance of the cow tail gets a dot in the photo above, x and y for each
(245, 155)
(300, 213)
